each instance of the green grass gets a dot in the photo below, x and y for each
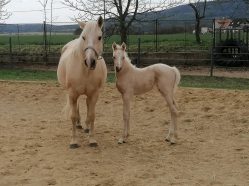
(27, 75)
(166, 42)
(186, 81)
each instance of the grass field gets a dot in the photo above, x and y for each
(187, 81)
(169, 42)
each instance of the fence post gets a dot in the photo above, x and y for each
(45, 41)
(138, 52)
(10, 46)
(10, 50)
(18, 38)
(156, 39)
(212, 51)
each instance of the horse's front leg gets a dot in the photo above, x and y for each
(91, 102)
(75, 119)
(126, 118)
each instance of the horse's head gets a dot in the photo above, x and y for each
(91, 41)
(119, 55)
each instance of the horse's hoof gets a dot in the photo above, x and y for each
(86, 130)
(79, 127)
(172, 143)
(74, 146)
(94, 144)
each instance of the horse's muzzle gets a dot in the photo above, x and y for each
(93, 64)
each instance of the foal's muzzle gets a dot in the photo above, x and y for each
(118, 69)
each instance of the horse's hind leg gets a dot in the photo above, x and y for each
(75, 119)
(91, 102)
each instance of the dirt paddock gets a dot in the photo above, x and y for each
(212, 149)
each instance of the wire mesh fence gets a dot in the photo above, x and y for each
(173, 41)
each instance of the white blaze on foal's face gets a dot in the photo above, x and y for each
(91, 39)
(118, 55)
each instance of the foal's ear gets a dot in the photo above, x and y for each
(123, 46)
(81, 24)
(100, 21)
(114, 46)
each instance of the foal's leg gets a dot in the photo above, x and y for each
(169, 97)
(126, 117)
(91, 102)
(173, 124)
(74, 118)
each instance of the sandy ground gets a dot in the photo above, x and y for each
(213, 145)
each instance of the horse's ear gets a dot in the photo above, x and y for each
(123, 46)
(100, 21)
(114, 46)
(81, 24)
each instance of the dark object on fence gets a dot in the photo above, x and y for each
(230, 46)
(231, 53)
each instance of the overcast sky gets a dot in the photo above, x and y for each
(30, 11)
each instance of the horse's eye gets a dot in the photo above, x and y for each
(123, 58)
(83, 38)
(113, 57)
(99, 38)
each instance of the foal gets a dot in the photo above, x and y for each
(134, 81)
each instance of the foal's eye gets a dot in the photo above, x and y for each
(83, 38)
(123, 58)
(113, 57)
(99, 38)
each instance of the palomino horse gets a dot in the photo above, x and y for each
(82, 71)
(134, 81)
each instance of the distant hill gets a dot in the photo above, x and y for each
(175, 17)
(226, 8)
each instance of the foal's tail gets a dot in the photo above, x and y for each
(177, 78)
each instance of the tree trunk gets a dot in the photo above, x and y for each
(123, 33)
(197, 31)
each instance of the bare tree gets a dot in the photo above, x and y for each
(4, 14)
(199, 7)
(44, 3)
(124, 12)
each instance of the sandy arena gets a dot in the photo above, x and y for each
(212, 149)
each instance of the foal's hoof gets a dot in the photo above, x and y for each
(171, 141)
(121, 141)
(86, 130)
(79, 127)
(74, 146)
(93, 143)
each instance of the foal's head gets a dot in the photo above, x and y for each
(91, 41)
(119, 55)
